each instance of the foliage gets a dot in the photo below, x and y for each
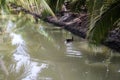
(3, 6)
(75, 5)
(55, 4)
(103, 19)
(37, 6)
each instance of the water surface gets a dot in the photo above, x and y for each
(40, 52)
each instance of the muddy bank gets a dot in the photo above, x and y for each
(78, 25)
(74, 22)
(113, 39)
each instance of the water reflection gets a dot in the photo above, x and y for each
(3, 67)
(22, 58)
(71, 52)
(41, 54)
(10, 26)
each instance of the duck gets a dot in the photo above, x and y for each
(70, 40)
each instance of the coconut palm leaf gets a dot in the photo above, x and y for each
(55, 4)
(59, 4)
(3, 7)
(46, 7)
(2, 2)
(105, 23)
(37, 4)
(94, 7)
(75, 5)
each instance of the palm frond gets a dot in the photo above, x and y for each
(104, 23)
(3, 6)
(55, 5)
(46, 8)
(75, 5)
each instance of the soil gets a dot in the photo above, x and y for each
(78, 25)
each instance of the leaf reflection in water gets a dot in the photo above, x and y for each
(3, 67)
(22, 58)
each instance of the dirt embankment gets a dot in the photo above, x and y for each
(78, 24)
(74, 22)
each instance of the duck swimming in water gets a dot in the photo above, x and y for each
(70, 40)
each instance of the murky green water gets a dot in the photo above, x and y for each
(39, 52)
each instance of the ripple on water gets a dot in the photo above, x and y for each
(71, 52)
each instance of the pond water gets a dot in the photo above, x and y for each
(40, 52)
